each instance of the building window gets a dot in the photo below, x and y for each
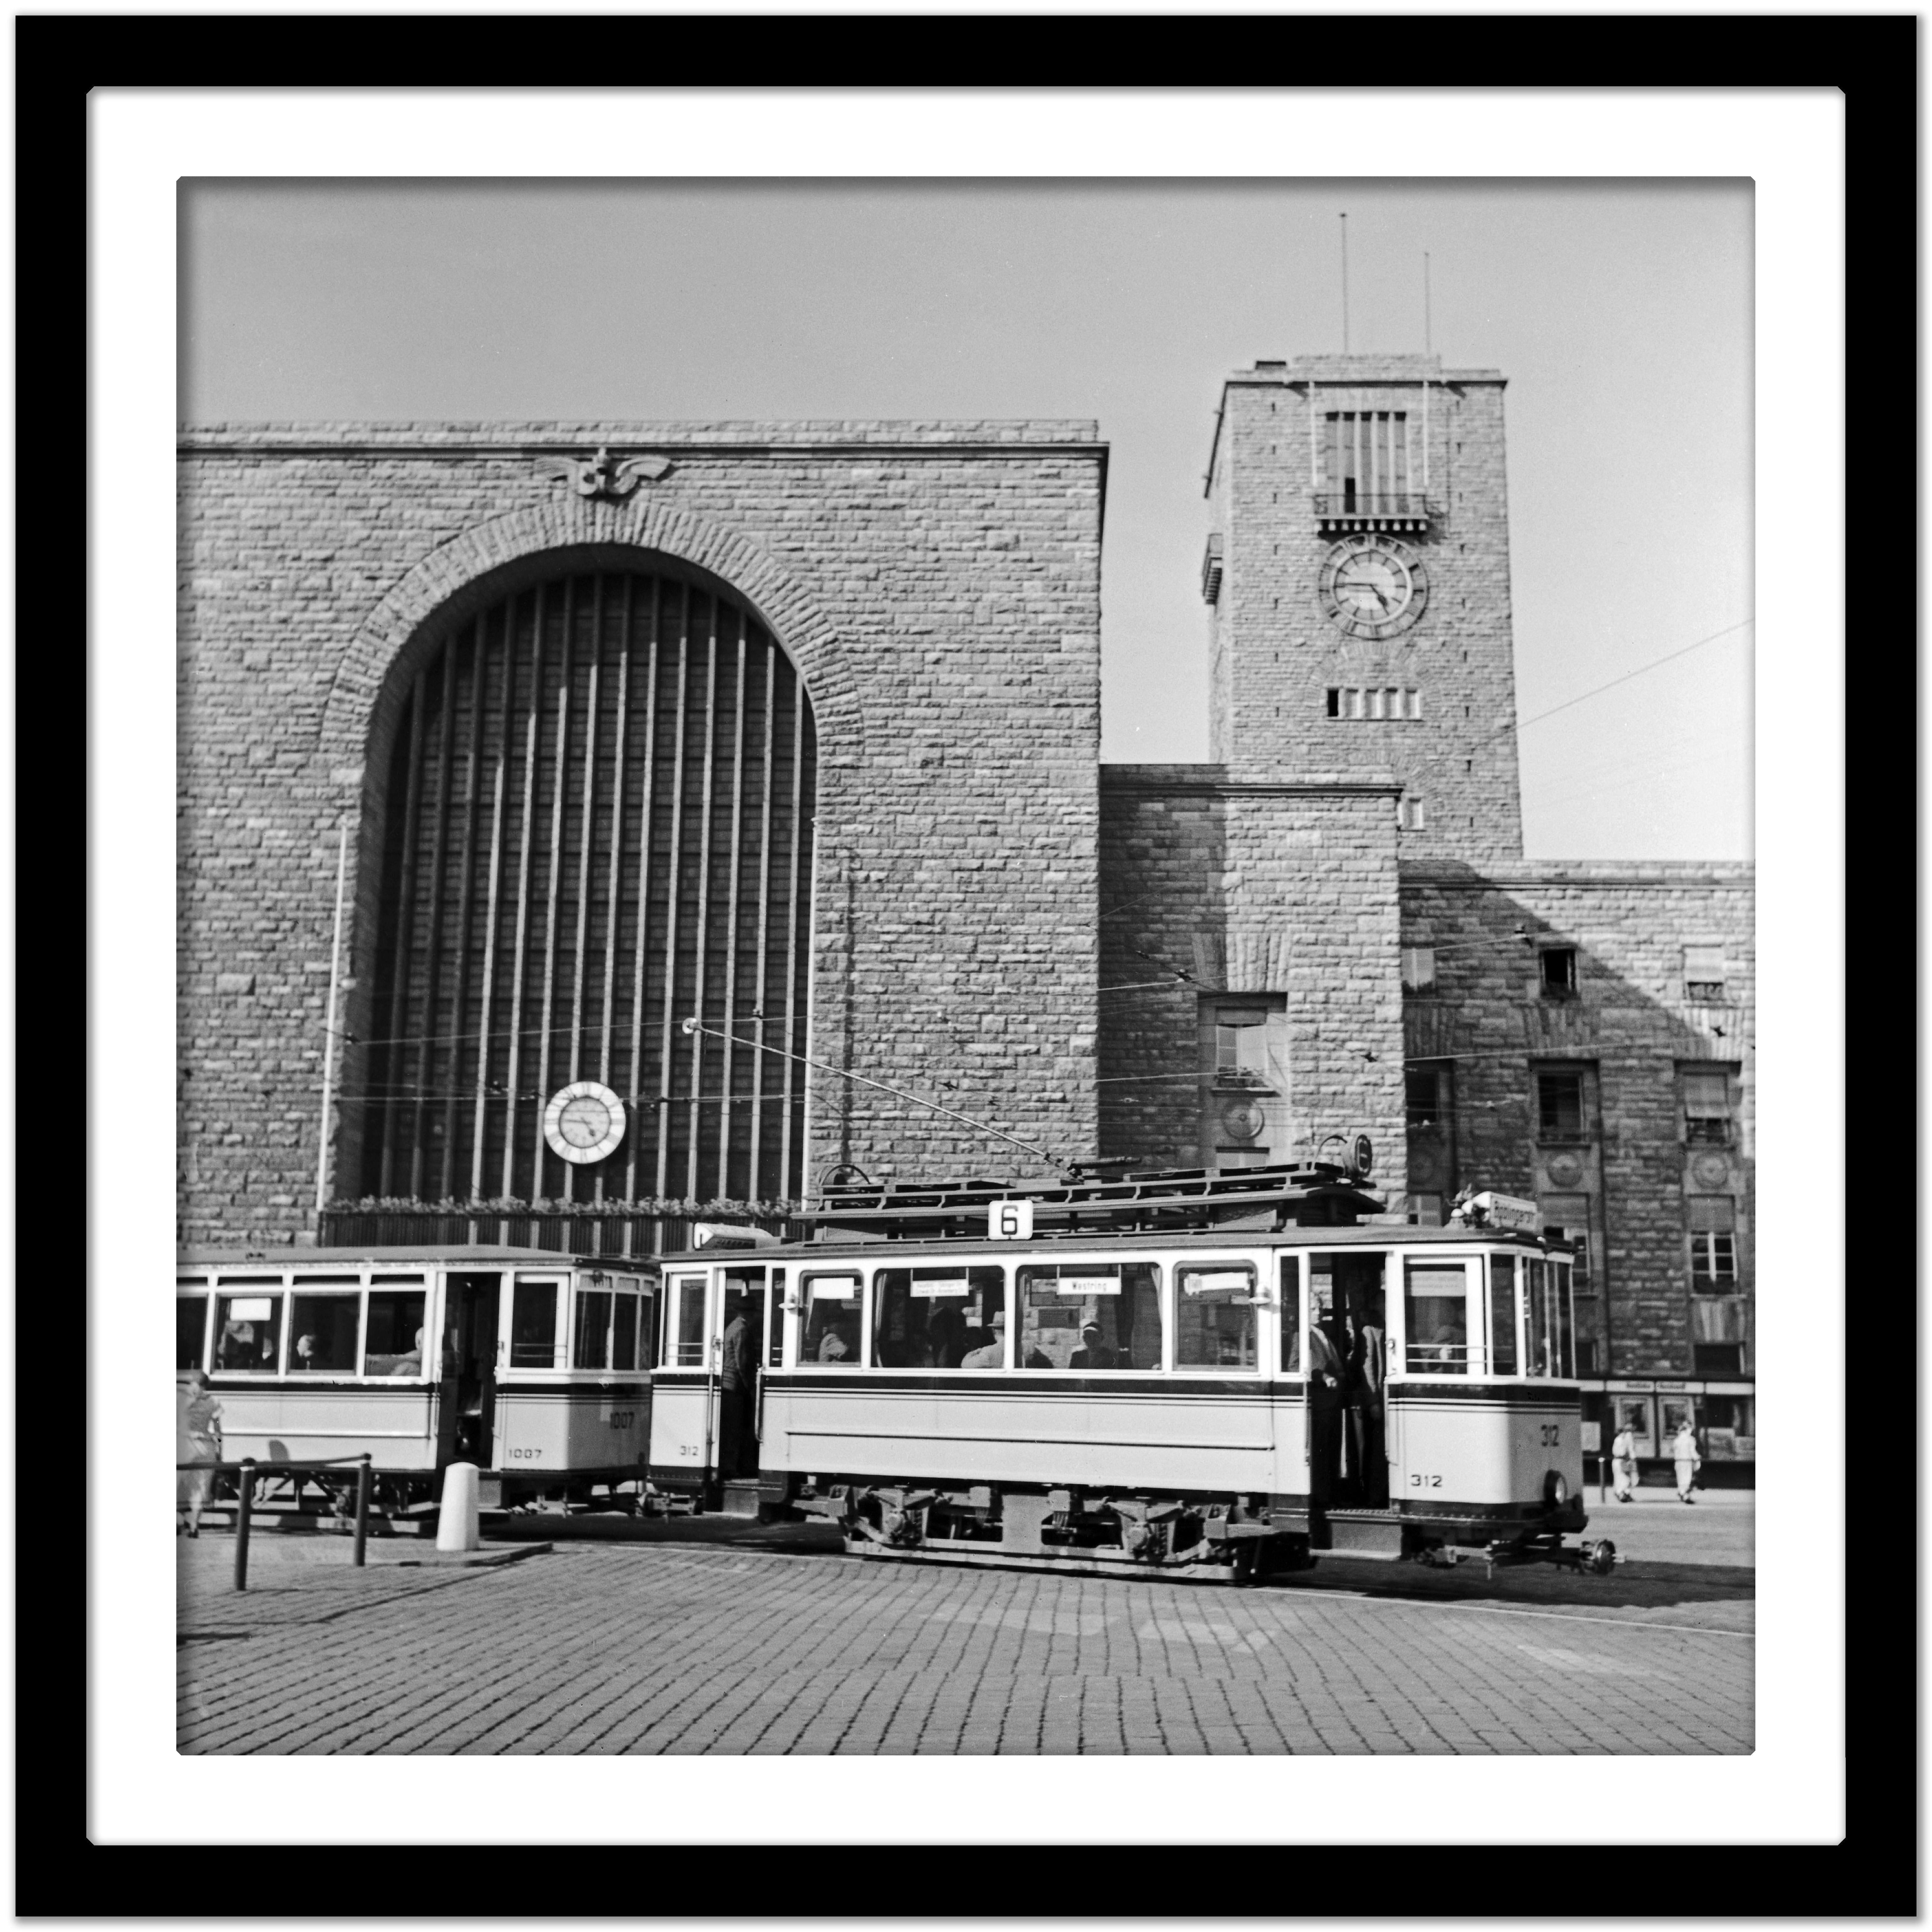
(1704, 974)
(1389, 703)
(1707, 1107)
(1418, 969)
(1410, 814)
(1244, 1080)
(1586, 1355)
(1369, 462)
(1422, 1087)
(1717, 1358)
(1559, 1106)
(1558, 967)
(1714, 1249)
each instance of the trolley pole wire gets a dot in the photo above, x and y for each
(1063, 1169)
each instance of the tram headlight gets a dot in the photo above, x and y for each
(1556, 1490)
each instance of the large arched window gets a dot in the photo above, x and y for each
(597, 821)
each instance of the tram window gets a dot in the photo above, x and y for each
(1565, 1321)
(593, 1329)
(1536, 1360)
(323, 1333)
(1214, 1315)
(934, 1318)
(1291, 1314)
(533, 1325)
(624, 1332)
(392, 1337)
(1502, 1314)
(248, 1332)
(831, 1339)
(1438, 1318)
(685, 1349)
(1092, 1318)
(190, 1330)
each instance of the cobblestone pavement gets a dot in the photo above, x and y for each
(707, 1647)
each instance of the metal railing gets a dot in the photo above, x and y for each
(1408, 503)
(248, 1469)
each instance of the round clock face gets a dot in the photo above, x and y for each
(583, 1122)
(1373, 587)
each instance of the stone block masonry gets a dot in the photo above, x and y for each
(1275, 653)
(1282, 888)
(1666, 983)
(937, 585)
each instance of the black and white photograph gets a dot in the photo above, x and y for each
(965, 965)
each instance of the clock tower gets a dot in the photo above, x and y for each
(1357, 575)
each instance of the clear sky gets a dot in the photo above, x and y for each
(1621, 312)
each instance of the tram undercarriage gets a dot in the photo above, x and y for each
(1220, 1540)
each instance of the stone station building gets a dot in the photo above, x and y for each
(795, 726)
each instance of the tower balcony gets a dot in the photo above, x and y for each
(1386, 510)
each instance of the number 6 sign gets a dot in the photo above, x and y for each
(1010, 1220)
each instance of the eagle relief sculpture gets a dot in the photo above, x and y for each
(602, 475)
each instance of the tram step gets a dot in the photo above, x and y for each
(741, 1497)
(1374, 1533)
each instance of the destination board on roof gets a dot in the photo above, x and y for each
(1505, 1210)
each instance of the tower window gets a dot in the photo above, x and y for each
(1422, 1094)
(1418, 969)
(1369, 462)
(1386, 703)
(1410, 815)
(1558, 965)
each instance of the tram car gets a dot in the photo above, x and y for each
(1199, 1374)
(535, 1367)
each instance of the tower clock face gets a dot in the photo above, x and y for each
(584, 1122)
(1373, 587)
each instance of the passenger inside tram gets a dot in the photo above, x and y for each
(1093, 1352)
(1095, 1318)
(988, 1345)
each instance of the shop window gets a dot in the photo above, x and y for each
(1559, 1106)
(939, 1318)
(1558, 965)
(1707, 1106)
(533, 1325)
(1091, 1318)
(1214, 1316)
(392, 1337)
(1704, 974)
(325, 1332)
(248, 1331)
(190, 1330)
(1418, 969)
(831, 1337)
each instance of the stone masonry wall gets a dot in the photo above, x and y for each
(1632, 1025)
(937, 586)
(1287, 887)
(1273, 653)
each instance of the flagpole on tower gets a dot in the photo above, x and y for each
(1344, 284)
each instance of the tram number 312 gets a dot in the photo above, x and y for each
(1420, 1482)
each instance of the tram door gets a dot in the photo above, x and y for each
(467, 1403)
(745, 1321)
(1349, 1358)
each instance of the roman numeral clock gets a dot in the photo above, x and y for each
(1373, 587)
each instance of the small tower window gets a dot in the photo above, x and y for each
(1558, 965)
(1704, 974)
(1411, 815)
(1418, 969)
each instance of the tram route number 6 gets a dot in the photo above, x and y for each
(1009, 1220)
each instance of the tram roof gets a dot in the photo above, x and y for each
(429, 1254)
(884, 1252)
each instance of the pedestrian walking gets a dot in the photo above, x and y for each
(1623, 1460)
(198, 1439)
(1683, 1453)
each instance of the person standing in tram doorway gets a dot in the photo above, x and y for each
(737, 1414)
(1326, 1400)
(1623, 1460)
(1683, 1453)
(1367, 1430)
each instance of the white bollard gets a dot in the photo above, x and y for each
(456, 1523)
